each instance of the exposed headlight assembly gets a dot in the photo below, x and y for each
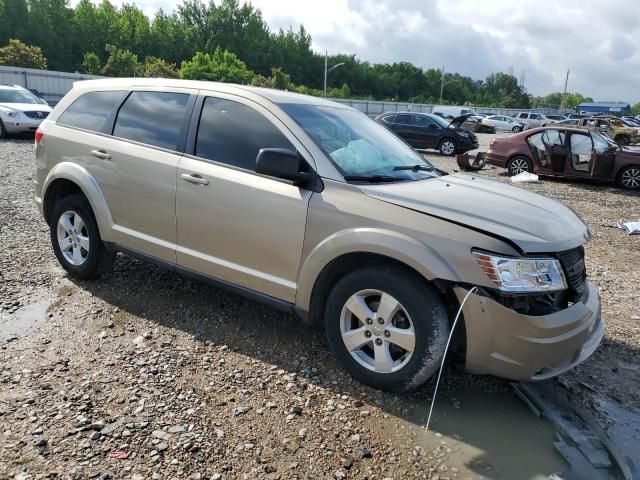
(522, 275)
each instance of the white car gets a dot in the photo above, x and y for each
(533, 119)
(20, 110)
(504, 123)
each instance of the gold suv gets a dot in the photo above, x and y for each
(316, 209)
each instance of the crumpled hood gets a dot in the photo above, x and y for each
(27, 107)
(534, 223)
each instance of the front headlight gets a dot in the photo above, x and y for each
(522, 275)
(9, 112)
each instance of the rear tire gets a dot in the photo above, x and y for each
(76, 239)
(629, 177)
(518, 165)
(391, 305)
(447, 147)
(622, 140)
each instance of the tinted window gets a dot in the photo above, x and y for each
(154, 118)
(232, 133)
(422, 121)
(90, 110)
(403, 119)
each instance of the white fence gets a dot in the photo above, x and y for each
(52, 86)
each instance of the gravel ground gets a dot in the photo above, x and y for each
(146, 374)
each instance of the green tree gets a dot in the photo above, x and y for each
(279, 79)
(14, 22)
(220, 66)
(262, 81)
(18, 54)
(158, 68)
(635, 109)
(91, 63)
(121, 63)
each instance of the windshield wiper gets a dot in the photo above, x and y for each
(415, 168)
(373, 178)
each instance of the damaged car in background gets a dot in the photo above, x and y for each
(323, 213)
(428, 131)
(567, 152)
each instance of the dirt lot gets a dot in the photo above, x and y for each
(146, 374)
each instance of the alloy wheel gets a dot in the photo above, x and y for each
(631, 178)
(519, 165)
(73, 238)
(447, 147)
(377, 331)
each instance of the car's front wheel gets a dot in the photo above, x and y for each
(387, 328)
(447, 147)
(516, 129)
(76, 240)
(518, 165)
(3, 130)
(629, 177)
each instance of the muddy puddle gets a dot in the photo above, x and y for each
(19, 323)
(486, 435)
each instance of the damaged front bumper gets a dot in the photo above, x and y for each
(511, 345)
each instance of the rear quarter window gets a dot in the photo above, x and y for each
(90, 110)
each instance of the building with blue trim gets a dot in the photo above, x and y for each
(618, 108)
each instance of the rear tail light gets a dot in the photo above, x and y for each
(493, 143)
(39, 135)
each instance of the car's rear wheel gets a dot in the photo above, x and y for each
(387, 328)
(76, 240)
(518, 165)
(516, 129)
(447, 147)
(629, 177)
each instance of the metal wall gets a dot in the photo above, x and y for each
(51, 85)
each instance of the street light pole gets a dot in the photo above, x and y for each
(327, 70)
(325, 75)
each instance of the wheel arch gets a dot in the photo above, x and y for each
(340, 254)
(67, 179)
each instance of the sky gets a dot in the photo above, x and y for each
(599, 42)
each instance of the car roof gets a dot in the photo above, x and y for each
(275, 96)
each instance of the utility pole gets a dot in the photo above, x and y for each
(441, 84)
(566, 81)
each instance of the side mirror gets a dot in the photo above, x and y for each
(282, 163)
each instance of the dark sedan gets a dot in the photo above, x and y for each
(422, 131)
(566, 152)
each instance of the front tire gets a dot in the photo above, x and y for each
(3, 130)
(629, 177)
(447, 147)
(387, 328)
(516, 129)
(518, 165)
(76, 240)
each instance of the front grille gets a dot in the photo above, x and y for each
(575, 270)
(39, 115)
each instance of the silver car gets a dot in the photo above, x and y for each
(20, 110)
(314, 208)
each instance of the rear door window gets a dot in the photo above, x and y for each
(90, 110)
(232, 133)
(153, 118)
(403, 119)
(389, 118)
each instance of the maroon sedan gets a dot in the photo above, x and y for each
(566, 152)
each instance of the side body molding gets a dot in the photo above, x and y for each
(415, 254)
(81, 177)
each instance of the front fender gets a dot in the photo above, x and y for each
(413, 253)
(85, 181)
